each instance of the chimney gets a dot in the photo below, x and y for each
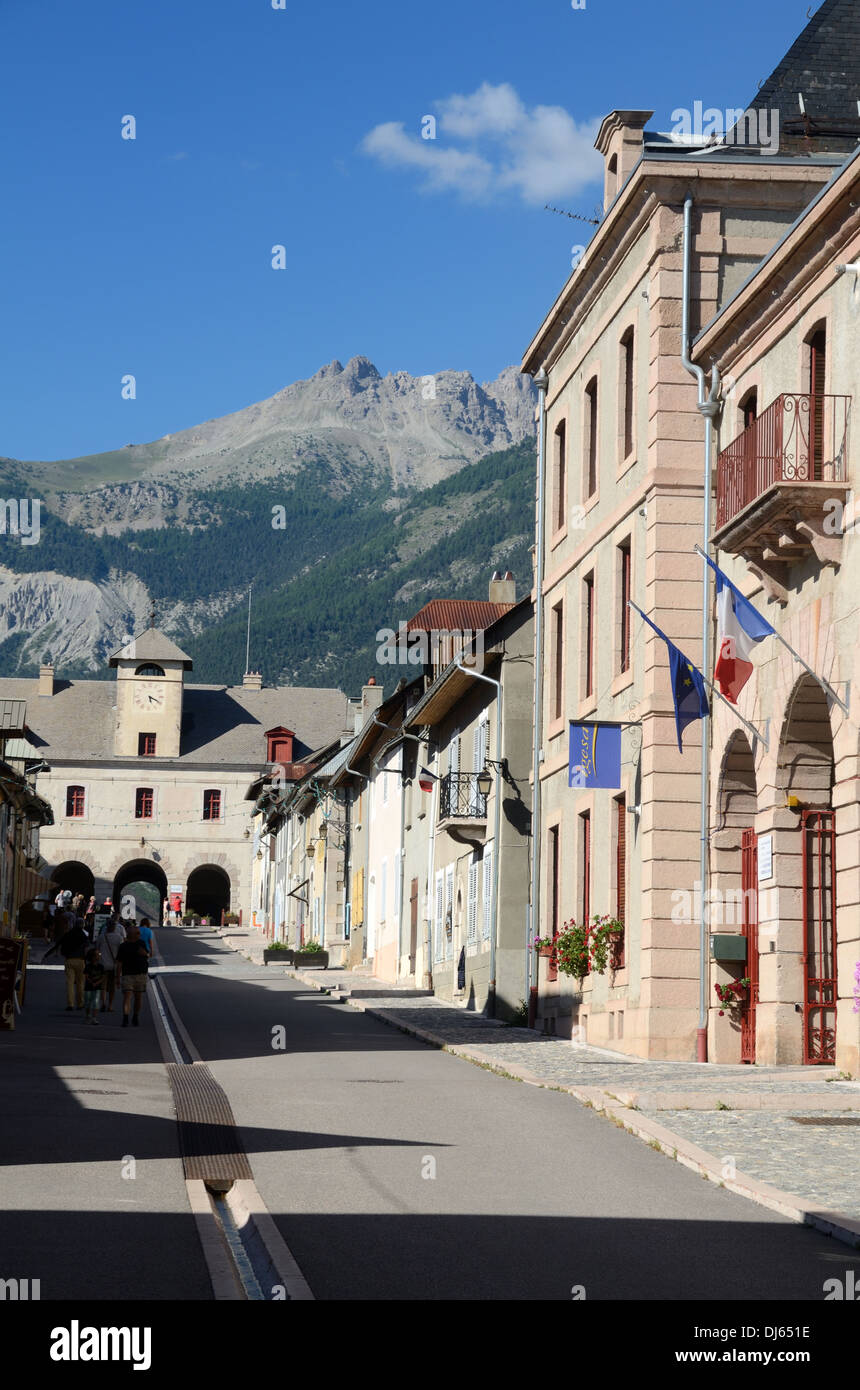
(620, 140)
(252, 680)
(503, 587)
(46, 678)
(371, 697)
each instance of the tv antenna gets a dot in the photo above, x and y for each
(576, 216)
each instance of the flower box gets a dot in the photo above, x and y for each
(272, 957)
(305, 958)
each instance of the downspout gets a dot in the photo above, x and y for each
(708, 407)
(479, 676)
(541, 381)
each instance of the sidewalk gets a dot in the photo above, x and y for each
(787, 1138)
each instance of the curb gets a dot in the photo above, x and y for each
(836, 1224)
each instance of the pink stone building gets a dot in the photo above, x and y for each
(622, 507)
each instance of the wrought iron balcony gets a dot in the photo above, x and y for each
(775, 480)
(460, 799)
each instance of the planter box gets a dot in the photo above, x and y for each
(278, 957)
(305, 958)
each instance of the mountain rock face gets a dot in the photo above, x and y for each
(345, 432)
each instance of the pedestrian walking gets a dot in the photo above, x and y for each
(94, 978)
(132, 971)
(90, 915)
(146, 935)
(109, 943)
(78, 904)
(72, 946)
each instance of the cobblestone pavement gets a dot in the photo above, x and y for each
(820, 1162)
(813, 1167)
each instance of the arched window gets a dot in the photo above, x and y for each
(149, 669)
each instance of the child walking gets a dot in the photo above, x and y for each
(94, 978)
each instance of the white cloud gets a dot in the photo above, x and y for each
(503, 147)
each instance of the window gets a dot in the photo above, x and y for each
(557, 693)
(627, 394)
(620, 803)
(146, 745)
(75, 801)
(279, 745)
(749, 409)
(559, 492)
(588, 632)
(212, 804)
(449, 911)
(611, 178)
(454, 753)
(150, 669)
(624, 596)
(590, 480)
(143, 803)
(817, 357)
(487, 919)
(472, 905)
(585, 866)
(554, 863)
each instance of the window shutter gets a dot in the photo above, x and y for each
(487, 921)
(397, 885)
(472, 905)
(449, 907)
(440, 916)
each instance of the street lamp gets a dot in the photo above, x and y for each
(485, 782)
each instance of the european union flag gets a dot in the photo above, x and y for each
(688, 687)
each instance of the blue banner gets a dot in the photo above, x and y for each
(595, 756)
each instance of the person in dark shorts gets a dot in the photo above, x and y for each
(132, 971)
(94, 978)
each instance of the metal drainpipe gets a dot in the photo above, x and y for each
(708, 407)
(541, 381)
(491, 995)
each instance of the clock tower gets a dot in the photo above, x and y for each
(150, 673)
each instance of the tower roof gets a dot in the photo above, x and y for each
(151, 645)
(822, 68)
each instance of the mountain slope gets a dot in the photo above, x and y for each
(342, 499)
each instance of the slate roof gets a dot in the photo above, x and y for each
(151, 645)
(823, 64)
(221, 724)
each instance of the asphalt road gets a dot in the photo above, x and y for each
(396, 1171)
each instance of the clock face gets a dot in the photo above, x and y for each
(149, 697)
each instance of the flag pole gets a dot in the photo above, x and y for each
(820, 679)
(720, 696)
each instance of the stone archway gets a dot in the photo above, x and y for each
(806, 876)
(143, 871)
(207, 892)
(733, 903)
(75, 876)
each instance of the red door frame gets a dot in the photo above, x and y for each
(819, 937)
(749, 893)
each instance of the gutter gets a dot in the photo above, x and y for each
(478, 676)
(709, 407)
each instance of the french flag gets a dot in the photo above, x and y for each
(740, 628)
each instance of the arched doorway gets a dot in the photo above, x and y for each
(806, 775)
(75, 877)
(207, 893)
(147, 884)
(737, 875)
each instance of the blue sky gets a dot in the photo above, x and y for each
(302, 127)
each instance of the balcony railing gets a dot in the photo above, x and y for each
(460, 798)
(798, 439)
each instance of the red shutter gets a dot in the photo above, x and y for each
(619, 952)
